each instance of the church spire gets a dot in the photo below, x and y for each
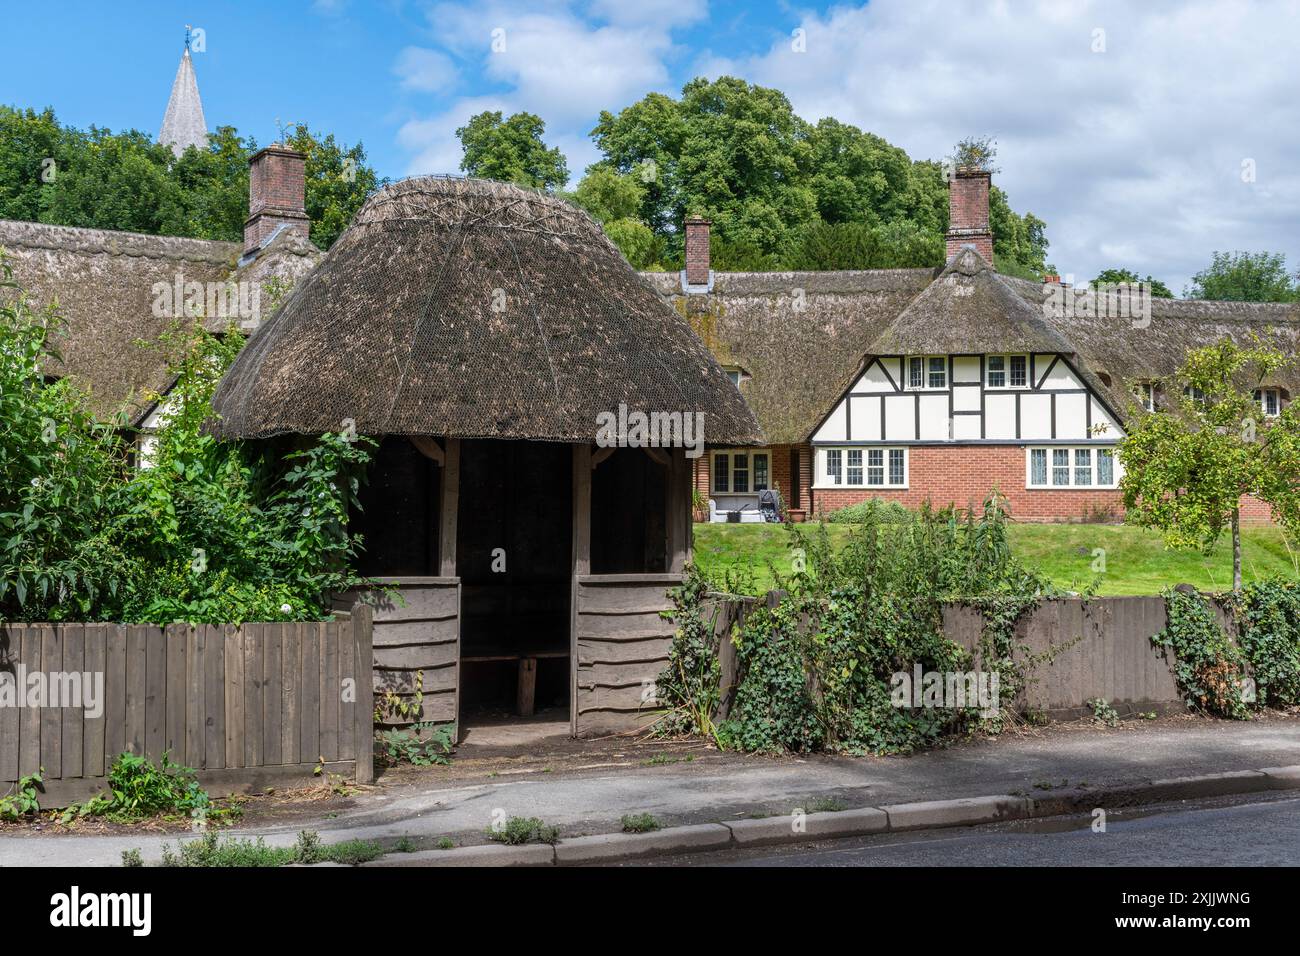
(183, 124)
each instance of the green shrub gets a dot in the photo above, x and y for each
(425, 745)
(137, 789)
(1207, 665)
(639, 823)
(1268, 615)
(520, 830)
(23, 799)
(873, 511)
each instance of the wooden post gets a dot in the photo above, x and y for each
(526, 691)
(450, 507)
(678, 505)
(364, 712)
(581, 565)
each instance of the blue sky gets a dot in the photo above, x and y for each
(1147, 134)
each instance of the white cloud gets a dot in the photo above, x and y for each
(1132, 155)
(425, 70)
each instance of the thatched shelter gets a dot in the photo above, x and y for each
(484, 333)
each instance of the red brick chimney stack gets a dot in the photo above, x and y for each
(697, 251)
(277, 195)
(968, 213)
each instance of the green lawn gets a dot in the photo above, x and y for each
(1137, 562)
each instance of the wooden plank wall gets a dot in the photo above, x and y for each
(244, 706)
(622, 646)
(417, 630)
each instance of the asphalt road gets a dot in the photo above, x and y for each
(1224, 832)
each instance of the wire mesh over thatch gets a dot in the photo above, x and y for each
(472, 309)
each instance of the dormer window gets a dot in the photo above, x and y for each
(1145, 393)
(1270, 401)
(927, 372)
(736, 374)
(1007, 371)
(1195, 393)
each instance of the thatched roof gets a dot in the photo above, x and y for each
(469, 308)
(801, 336)
(802, 358)
(103, 283)
(968, 308)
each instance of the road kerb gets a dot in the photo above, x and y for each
(789, 828)
(492, 854)
(964, 811)
(625, 846)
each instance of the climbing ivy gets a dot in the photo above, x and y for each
(1207, 665)
(1268, 618)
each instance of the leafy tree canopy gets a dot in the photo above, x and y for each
(511, 150)
(1127, 276)
(99, 179)
(1245, 277)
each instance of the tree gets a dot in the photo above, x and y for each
(614, 201)
(1186, 468)
(1113, 277)
(1245, 277)
(338, 182)
(512, 151)
(853, 245)
(125, 181)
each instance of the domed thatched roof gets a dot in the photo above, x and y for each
(477, 310)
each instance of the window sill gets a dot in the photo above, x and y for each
(859, 487)
(1071, 487)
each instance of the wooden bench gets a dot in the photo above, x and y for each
(526, 691)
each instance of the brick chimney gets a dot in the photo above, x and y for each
(968, 213)
(697, 251)
(277, 195)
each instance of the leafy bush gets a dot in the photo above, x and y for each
(409, 746)
(1207, 665)
(873, 511)
(815, 671)
(520, 830)
(639, 822)
(211, 532)
(1268, 614)
(210, 850)
(23, 799)
(137, 789)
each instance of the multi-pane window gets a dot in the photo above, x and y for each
(862, 467)
(1038, 466)
(1195, 393)
(855, 467)
(1270, 401)
(1145, 392)
(927, 371)
(897, 472)
(1072, 468)
(732, 472)
(834, 466)
(1007, 371)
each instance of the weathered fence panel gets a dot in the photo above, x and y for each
(416, 630)
(1085, 649)
(621, 646)
(245, 706)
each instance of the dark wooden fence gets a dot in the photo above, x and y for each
(244, 706)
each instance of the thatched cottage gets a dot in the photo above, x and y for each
(939, 384)
(488, 336)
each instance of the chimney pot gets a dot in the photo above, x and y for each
(968, 213)
(697, 251)
(277, 195)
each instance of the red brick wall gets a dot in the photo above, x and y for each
(697, 251)
(963, 475)
(968, 214)
(277, 193)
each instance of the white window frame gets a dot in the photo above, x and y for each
(1145, 393)
(925, 361)
(730, 455)
(863, 465)
(1006, 372)
(1261, 398)
(1075, 453)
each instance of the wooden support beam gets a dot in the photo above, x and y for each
(677, 506)
(600, 454)
(428, 447)
(581, 565)
(658, 455)
(450, 509)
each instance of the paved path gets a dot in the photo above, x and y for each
(732, 787)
